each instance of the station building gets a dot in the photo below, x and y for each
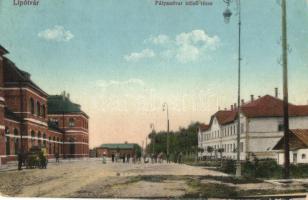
(31, 117)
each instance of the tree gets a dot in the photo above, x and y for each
(220, 151)
(210, 150)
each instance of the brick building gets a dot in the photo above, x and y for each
(125, 149)
(30, 117)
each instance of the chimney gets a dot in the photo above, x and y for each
(252, 97)
(243, 102)
(231, 107)
(276, 92)
(225, 108)
(259, 96)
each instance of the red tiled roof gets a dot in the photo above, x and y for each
(203, 127)
(266, 106)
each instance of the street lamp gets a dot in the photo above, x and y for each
(165, 108)
(227, 15)
(152, 137)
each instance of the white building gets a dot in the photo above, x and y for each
(261, 128)
(298, 144)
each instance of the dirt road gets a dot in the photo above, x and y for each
(91, 178)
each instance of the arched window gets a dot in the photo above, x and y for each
(16, 141)
(303, 156)
(38, 108)
(54, 144)
(44, 139)
(49, 149)
(39, 141)
(7, 142)
(71, 122)
(32, 137)
(32, 106)
(44, 111)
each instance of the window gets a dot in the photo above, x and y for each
(32, 137)
(39, 141)
(280, 127)
(44, 139)
(44, 111)
(241, 147)
(71, 122)
(16, 141)
(49, 150)
(242, 128)
(32, 106)
(7, 141)
(38, 108)
(303, 156)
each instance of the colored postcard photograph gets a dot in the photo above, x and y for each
(154, 99)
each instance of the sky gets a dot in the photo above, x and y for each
(121, 60)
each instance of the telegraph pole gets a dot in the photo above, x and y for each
(285, 90)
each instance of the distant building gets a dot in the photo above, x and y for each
(260, 129)
(30, 117)
(108, 150)
(298, 144)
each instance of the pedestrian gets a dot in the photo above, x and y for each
(128, 158)
(167, 157)
(20, 160)
(180, 158)
(123, 158)
(112, 157)
(57, 157)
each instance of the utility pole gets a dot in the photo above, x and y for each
(165, 107)
(285, 90)
(227, 14)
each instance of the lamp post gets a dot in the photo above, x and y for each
(165, 108)
(285, 90)
(227, 15)
(153, 137)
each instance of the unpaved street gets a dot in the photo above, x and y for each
(91, 178)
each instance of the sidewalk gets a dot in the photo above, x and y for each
(12, 166)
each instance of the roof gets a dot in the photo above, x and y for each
(15, 75)
(118, 146)
(59, 104)
(203, 127)
(3, 50)
(298, 139)
(266, 106)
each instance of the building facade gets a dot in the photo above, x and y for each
(261, 126)
(122, 150)
(26, 120)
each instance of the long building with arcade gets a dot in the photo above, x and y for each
(30, 117)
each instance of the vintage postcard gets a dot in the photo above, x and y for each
(154, 99)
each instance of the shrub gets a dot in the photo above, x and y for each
(228, 166)
(268, 168)
(299, 171)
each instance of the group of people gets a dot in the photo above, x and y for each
(146, 158)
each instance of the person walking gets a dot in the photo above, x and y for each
(180, 158)
(20, 159)
(57, 157)
(168, 158)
